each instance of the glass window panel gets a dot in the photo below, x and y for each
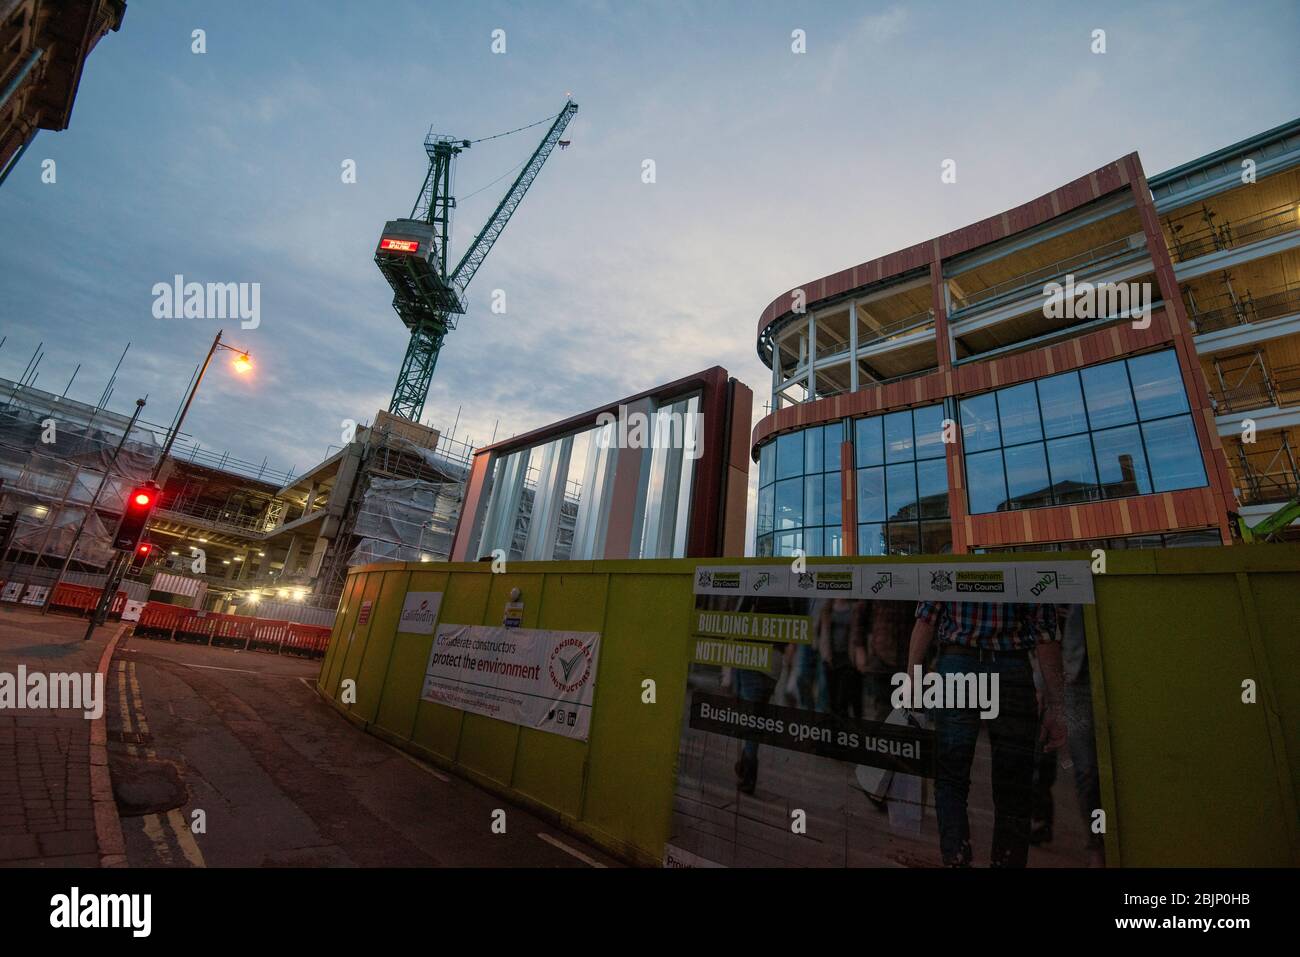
(936, 538)
(831, 442)
(1074, 476)
(812, 541)
(786, 543)
(1121, 463)
(1158, 384)
(979, 423)
(812, 448)
(832, 541)
(764, 549)
(1107, 395)
(868, 442)
(831, 498)
(1027, 483)
(871, 539)
(1018, 413)
(1061, 402)
(900, 492)
(767, 464)
(929, 431)
(898, 437)
(904, 538)
(789, 455)
(932, 487)
(1174, 454)
(987, 486)
(871, 495)
(812, 504)
(766, 512)
(789, 503)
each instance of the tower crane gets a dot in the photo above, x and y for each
(412, 255)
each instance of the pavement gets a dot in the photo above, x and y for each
(47, 815)
(225, 758)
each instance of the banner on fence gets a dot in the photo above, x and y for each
(525, 676)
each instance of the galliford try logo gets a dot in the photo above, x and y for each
(1101, 300)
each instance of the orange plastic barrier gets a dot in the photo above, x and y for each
(160, 620)
(83, 598)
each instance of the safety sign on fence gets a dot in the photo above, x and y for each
(526, 676)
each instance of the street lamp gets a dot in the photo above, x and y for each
(242, 363)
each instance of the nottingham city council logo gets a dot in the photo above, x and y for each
(570, 665)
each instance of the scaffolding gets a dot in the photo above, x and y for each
(54, 456)
(404, 504)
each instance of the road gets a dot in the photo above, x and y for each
(222, 758)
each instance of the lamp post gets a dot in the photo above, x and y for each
(242, 364)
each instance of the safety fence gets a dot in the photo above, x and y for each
(1195, 672)
(176, 623)
(66, 596)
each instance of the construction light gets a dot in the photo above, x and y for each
(243, 363)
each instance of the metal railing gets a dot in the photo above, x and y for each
(217, 516)
(1224, 311)
(1267, 475)
(1088, 262)
(1229, 234)
(1279, 387)
(908, 325)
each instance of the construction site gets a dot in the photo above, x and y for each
(245, 538)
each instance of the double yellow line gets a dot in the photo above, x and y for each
(155, 825)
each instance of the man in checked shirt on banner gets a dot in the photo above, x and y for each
(991, 638)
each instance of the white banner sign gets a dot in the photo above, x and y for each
(420, 612)
(1037, 582)
(526, 676)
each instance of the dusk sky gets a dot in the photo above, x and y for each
(773, 169)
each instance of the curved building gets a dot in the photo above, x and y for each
(1042, 378)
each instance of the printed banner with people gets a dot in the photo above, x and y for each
(889, 715)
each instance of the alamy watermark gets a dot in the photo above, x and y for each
(214, 300)
(661, 429)
(36, 691)
(1100, 300)
(923, 692)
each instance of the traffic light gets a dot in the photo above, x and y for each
(142, 553)
(139, 506)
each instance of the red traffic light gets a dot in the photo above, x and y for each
(142, 499)
(144, 548)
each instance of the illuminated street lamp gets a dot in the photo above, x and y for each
(242, 363)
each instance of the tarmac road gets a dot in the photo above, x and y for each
(281, 780)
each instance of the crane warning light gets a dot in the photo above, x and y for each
(399, 245)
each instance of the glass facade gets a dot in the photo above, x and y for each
(902, 483)
(799, 493)
(1108, 431)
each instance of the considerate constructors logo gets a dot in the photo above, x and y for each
(570, 665)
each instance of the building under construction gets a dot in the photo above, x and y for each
(226, 532)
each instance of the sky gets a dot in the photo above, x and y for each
(772, 168)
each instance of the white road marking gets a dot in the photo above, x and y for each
(573, 851)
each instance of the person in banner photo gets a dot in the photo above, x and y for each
(986, 639)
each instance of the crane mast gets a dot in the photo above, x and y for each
(412, 255)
